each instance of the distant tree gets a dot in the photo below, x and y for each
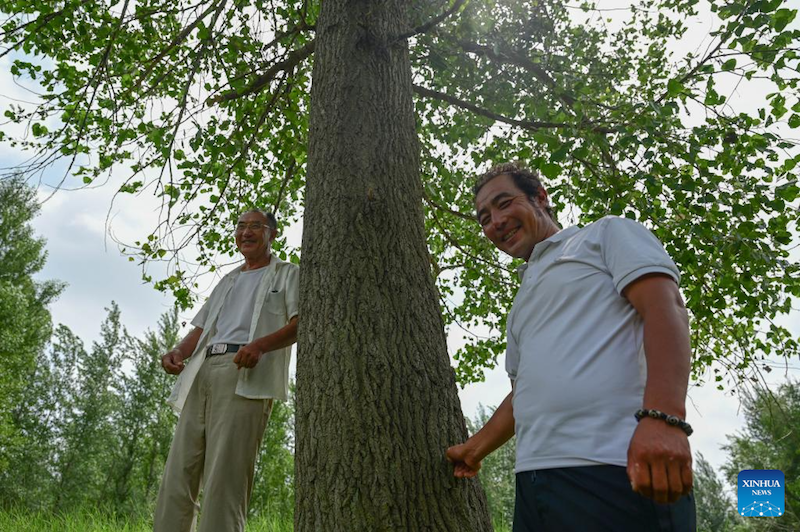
(497, 473)
(144, 422)
(86, 435)
(27, 482)
(95, 423)
(43, 414)
(716, 511)
(770, 439)
(25, 324)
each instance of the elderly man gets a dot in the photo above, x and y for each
(240, 350)
(598, 355)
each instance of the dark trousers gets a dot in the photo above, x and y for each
(593, 498)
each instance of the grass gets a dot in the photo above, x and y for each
(94, 521)
(500, 526)
(86, 521)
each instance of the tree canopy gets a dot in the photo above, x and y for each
(205, 105)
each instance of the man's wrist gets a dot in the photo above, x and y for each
(477, 448)
(648, 415)
(674, 407)
(262, 344)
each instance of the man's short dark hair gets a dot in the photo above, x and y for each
(525, 179)
(271, 220)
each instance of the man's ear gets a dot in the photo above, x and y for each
(542, 197)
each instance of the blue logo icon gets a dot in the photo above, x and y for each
(761, 493)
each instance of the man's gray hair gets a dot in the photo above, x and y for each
(271, 220)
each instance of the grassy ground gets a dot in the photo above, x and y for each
(501, 527)
(88, 521)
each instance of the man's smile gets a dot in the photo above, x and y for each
(510, 234)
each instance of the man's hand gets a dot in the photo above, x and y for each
(466, 463)
(660, 461)
(172, 362)
(247, 356)
(466, 457)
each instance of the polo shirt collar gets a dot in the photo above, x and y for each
(545, 244)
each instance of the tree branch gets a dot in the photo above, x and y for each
(506, 55)
(101, 66)
(710, 55)
(431, 23)
(287, 177)
(293, 32)
(184, 96)
(43, 21)
(151, 63)
(454, 242)
(294, 58)
(525, 124)
(442, 208)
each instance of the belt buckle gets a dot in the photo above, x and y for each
(218, 349)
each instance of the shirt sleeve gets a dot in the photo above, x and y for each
(630, 251)
(292, 292)
(512, 353)
(200, 319)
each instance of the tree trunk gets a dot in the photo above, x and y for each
(377, 403)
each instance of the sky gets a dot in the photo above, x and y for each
(82, 254)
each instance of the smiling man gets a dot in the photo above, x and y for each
(238, 364)
(598, 355)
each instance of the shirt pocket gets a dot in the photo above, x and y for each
(275, 302)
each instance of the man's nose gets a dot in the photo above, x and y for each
(498, 219)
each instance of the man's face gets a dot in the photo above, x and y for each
(253, 243)
(509, 219)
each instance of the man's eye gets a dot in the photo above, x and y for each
(484, 221)
(504, 204)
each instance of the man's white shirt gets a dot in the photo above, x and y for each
(275, 303)
(575, 344)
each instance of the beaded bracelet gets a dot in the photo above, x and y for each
(675, 421)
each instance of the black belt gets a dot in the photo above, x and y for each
(221, 349)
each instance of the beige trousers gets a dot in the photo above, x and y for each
(216, 442)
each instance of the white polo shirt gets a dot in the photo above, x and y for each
(276, 302)
(575, 347)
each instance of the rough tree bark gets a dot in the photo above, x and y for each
(377, 402)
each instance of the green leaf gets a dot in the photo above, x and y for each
(550, 170)
(788, 192)
(729, 65)
(782, 17)
(561, 153)
(38, 130)
(674, 87)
